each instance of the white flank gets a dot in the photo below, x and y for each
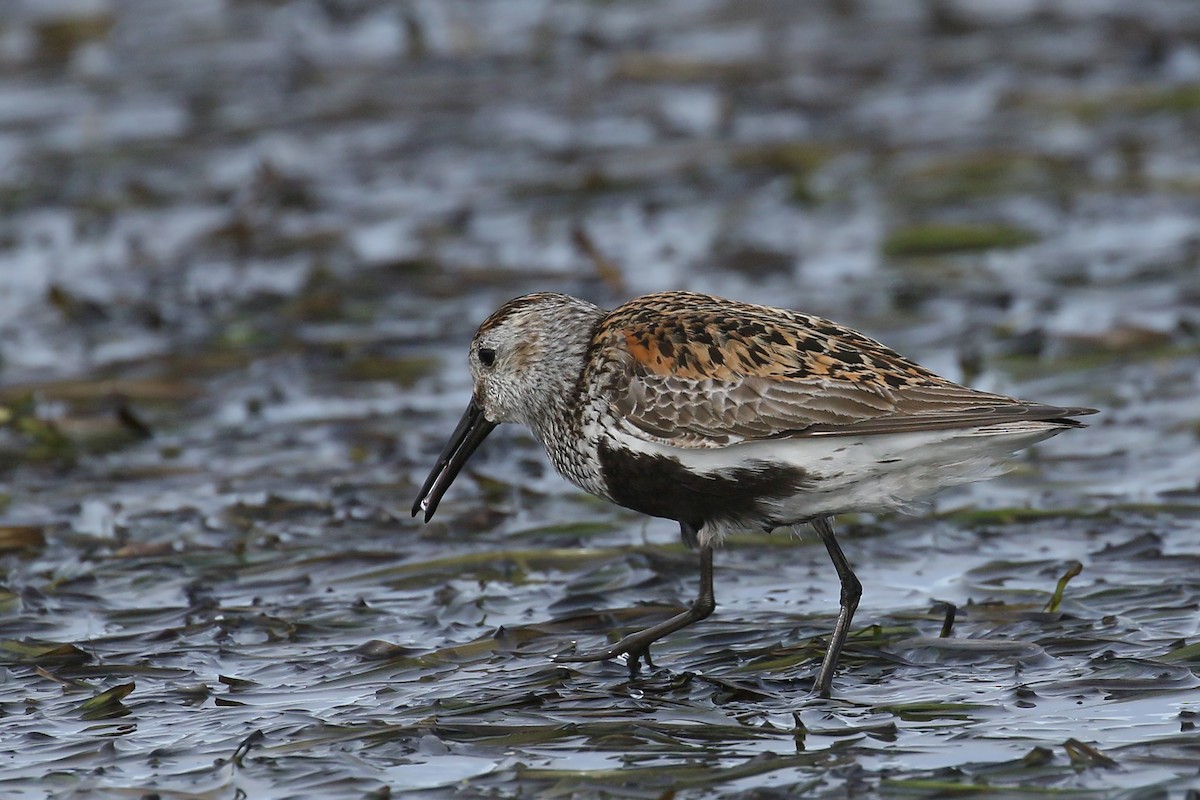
(877, 472)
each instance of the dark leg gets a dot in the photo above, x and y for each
(637, 645)
(851, 592)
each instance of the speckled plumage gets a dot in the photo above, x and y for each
(724, 415)
(697, 371)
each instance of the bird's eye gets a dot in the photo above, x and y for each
(487, 356)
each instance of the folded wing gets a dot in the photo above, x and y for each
(694, 375)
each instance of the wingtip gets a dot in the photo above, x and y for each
(1069, 413)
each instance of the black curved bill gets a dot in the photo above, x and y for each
(472, 429)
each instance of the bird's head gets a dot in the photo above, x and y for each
(524, 360)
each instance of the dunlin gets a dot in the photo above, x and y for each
(727, 416)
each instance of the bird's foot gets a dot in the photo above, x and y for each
(636, 646)
(634, 653)
(818, 692)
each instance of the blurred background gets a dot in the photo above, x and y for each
(243, 245)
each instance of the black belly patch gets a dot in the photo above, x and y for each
(662, 487)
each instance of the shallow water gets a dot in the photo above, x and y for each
(244, 245)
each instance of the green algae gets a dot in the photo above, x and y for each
(937, 239)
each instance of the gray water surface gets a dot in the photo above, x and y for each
(243, 247)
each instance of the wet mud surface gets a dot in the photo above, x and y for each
(243, 247)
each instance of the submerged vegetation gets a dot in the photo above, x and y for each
(244, 246)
